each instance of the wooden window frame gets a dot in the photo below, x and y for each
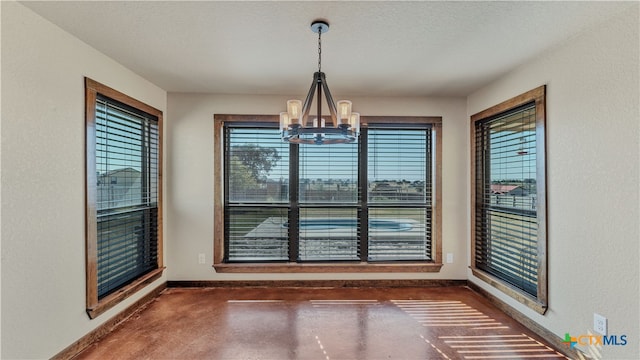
(537, 95)
(94, 305)
(329, 267)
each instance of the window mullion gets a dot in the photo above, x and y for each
(363, 212)
(294, 206)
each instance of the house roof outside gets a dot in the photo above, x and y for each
(502, 189)
(119, 171)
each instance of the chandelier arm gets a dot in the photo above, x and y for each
(306, 106)
(330, 103)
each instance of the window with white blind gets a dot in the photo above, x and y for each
(399, 166)
(509, 202)
(257, 194)
(368, 202)
(123, 190)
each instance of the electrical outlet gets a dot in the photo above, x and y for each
(449, 258)
(599, 324)
(201, 258)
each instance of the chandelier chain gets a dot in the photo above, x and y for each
(320, 50)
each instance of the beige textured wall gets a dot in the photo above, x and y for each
(593, 120)
(190, 177)
(593, 158)
(43, 261)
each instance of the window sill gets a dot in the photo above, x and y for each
(527, 300)
(361, 267)
(118, 296)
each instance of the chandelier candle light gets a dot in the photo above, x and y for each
(297, 127)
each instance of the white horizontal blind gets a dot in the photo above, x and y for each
(328, 234)
(127, 194)
(258, 166)
(399, 165)
(506, 203)
(399, 194)
(256, 233)
(328, 196)
(257, 195)
(309, 202)
(328, 174)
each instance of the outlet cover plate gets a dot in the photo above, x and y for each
(599, 324)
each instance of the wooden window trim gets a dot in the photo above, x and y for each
(350, 267)
(96, 307)
(538, 95)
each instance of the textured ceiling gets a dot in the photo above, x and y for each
(389, 48)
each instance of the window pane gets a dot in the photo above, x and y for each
(323, 216)
(125, 153)
(512, 161)
(399, 168)
(258, 166)
(328, 234)
(126, 194)
(127, 247)
(506, 218)
(511, 250)
(399, 234)
(257, 234)
(329, 173)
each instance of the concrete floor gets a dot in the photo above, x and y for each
(320, 323)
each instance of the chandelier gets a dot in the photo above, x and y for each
(342, 125)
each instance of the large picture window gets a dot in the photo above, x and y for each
(123, 196)
(372, 202)
(509, 234)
